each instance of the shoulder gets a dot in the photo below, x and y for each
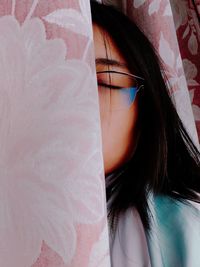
(174, 238)
(169, 212)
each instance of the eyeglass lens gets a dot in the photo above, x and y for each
(116, 90)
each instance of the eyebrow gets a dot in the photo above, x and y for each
(110, 62)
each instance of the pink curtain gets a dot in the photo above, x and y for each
(52, 195)
(52, 191)
(174, 29)
(187, 23)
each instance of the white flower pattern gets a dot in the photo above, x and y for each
(138, 3)
(48, 158)
(178, 47)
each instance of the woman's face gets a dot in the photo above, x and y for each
(118, 124)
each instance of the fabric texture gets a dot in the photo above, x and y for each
(173, 27)
(128, 245)
(52, 191)
(175, 236)
(52, 197)
(173, 240)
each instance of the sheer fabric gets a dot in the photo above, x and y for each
(52, 197)
(52, 192)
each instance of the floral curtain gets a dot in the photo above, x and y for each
(174, 29)
(52, 191)
(52, 195)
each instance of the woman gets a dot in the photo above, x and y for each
(152, 166)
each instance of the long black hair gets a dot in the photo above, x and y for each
(165, 161)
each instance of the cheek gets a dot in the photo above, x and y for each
(118, 130)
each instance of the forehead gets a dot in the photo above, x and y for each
(105, 48)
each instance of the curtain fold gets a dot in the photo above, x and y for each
(52, 193)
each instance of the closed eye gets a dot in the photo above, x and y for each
(109, 86)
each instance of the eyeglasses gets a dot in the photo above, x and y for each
(117, 90)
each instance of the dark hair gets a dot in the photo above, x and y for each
(166, 160)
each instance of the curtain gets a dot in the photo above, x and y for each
(52, 195)
(52, 190)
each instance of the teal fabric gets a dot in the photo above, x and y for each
(174, 238)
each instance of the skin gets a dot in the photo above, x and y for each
(119, 127)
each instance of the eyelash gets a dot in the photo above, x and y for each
(108, 86)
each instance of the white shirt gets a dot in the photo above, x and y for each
(128, 246)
